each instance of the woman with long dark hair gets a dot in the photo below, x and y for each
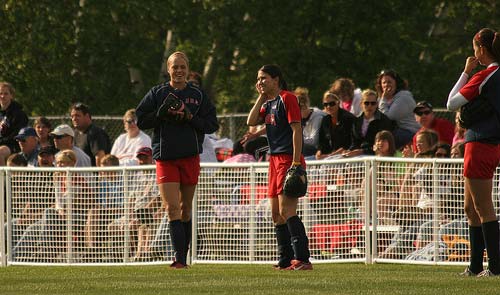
(482, 150)
(279, 110)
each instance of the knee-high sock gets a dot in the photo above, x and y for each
(476, 249)
(285, 250)
(491, 241)
(300, 243)
(178, 238)
(187, 225)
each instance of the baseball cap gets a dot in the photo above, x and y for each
(422, 105)
(47, 150)
(25, 132)
(144, 151)
(63, 129)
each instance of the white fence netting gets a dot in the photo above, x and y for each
(365, 209)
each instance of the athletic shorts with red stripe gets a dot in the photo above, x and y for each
(278, 165)
(184, 171)
(481, 160)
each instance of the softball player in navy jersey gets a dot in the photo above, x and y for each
(279, 110)
(177, 142)
(482, 151)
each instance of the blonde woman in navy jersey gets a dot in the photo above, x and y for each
(177, 143)
(482, 151)
(279, 110)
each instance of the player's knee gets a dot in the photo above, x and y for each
(174, 212)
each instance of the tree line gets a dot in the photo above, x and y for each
(109, 53)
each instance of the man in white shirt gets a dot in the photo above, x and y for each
(63, 140)
(126, 144)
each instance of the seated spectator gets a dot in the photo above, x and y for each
(457, 150)
(28, 142)
(385, 145)
(55, 218)
(63, 140)
(12, 119)
(443, 150)
(424, 115)
(208, 155)
(367, 125)
(127, 143)
(349, 95)
(93, 140)
(43, 127)
(336, 128)
(459, 135)
(311, 122)
(397, 104)
(108, 206)
(254, 140)
(46, 156)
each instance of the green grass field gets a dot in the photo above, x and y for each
(244, 279)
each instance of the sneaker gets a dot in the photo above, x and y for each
(178, 265)
(487, 273)
(277, 267)
(300, 265)
(467, 273)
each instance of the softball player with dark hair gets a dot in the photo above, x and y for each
(181, 114)
(482, 150)
(279, 110)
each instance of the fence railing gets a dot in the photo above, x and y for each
(364, 209)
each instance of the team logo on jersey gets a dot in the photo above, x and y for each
(191, 100)
(270, 119)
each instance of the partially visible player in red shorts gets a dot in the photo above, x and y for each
(482, 151)
(279, 110)
(177, 142)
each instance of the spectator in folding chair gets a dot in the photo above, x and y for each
(147, 207)
(415, 200)
(56, 227)
(39, 197)
(108, 206)
(280, 111)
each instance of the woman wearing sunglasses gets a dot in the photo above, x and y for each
(367, 125)
(336, 128)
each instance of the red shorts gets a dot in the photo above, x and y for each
(481, 159)
(183, 171)
(278, 165)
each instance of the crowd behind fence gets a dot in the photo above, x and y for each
(232, 126)
(356, 210)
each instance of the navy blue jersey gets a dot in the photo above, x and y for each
(485, 83)
(176, 140)
(278, 113)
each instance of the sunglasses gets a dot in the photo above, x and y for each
(329, 104)
(129, 121)
(367, 103)
(420, 113)
(59, 136)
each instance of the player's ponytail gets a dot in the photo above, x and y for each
(490, 40)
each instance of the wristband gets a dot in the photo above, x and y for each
(296, 164)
